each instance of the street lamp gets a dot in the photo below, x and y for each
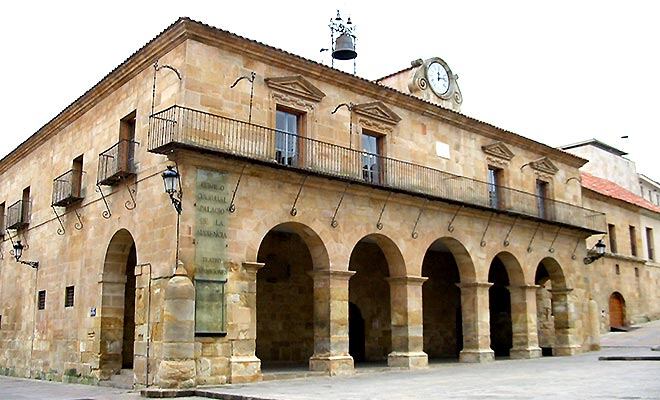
(172, 181)
(596, 252)
(18, 252)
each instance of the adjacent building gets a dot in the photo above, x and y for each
(325, 220)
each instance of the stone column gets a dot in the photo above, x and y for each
(594, 326)
(244, 366)
(524, 322)
(566, 342)
(476, 322)
(177, 368)
(331, 323)
(407, 323)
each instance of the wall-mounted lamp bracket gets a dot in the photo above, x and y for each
(294, 211)
(596, 252)
(232, 206)
(60, 231)
(106, 213)
(251, 80)
(334, 223)
(379, 224)
(529, 246)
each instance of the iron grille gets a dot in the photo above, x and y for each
(17, 215)
(117, 163)
(181, 127)
(66, 188)
(68, 296)
(41, 300)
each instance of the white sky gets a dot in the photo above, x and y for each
(559, 74)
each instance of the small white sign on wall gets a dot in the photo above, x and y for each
(442, 150)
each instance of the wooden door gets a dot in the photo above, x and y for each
(617, 312)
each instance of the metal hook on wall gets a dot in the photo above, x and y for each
(131, 204)
(157, 68)
(106, 213)
(60, 231)
(349, 106)
(79, 225)
(251, 80)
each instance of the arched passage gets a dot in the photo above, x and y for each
(504, 271)
(374, 259)
(617, 311)
(446, 264)
(552, 310)
(285, 294)
(118, 305)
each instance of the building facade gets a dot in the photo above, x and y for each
(391, 229)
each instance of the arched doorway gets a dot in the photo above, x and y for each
(118, 305)
(369, 293)
(285, 298)
(505, 271)
(617, 311)
(441, 299)
(552, 310)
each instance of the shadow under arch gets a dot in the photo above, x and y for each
(446, 264)
(117, 314)
(396, 264)
(290, 251)
(553, 319)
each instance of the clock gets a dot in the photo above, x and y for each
(438, 78)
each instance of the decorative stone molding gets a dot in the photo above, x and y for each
(296, 86)
(373, 125)
(292, 101)
(498, 154)
(377, 110)
(544, 166)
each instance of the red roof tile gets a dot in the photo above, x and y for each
(611, 189)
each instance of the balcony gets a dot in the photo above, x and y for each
(116, 163)
(180, 127)
(18, 215)
(66, 188)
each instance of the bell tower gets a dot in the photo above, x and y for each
(431, 80)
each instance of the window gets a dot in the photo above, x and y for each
(542, 198)
(76, 177)
(636, 272)
(25, 207)
(617, 269)
(494, 187)
(126, 148)
(372, 151)
(633, 241)
(68, 296)
(2, 219)
(288, 127)
(650, 244)
(41, 300)
(611, 232)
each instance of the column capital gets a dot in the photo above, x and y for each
(331, 273)
(523, 287)
(468, 285)
(252, 267)
(408, 280)
(560, 291)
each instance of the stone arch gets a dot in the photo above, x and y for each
(513, 268)
(617, 311)
(117, 312)
(554, 271)
(395, 261)
(290, 252)
(466, 268)
(555, 322)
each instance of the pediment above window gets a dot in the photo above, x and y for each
(377, 110)
(498, 150)
(297, 86)
(544, 165)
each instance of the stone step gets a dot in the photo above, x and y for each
(122, 380)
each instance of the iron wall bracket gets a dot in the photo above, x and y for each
(106, 213)
(294, 210)
(379, 224)
(334, 223)
(529, 246)
(232, 205)
(60, 231)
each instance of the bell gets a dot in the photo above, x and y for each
(344, 49)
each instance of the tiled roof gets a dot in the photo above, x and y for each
(611, 189)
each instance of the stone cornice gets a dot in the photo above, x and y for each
(185, 28)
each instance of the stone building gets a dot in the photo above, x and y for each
(393, 229)
(620, 279)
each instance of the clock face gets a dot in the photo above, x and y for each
(438, 78)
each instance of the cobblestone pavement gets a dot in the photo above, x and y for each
(577, 377)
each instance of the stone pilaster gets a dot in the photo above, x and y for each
(476, 322)
(524, 322)
(177, 367)
(244, 366)
(594, 326)
(331, 323)
(566, 340)
(407, 323)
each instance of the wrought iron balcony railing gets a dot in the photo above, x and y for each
(18, 215)
(117, 163)
(66, 188)
(181, 127)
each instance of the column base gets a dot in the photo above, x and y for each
(244, 369)
(524, 353)
(566, 350)
(476, 356)
(332, 365)
(408, 360)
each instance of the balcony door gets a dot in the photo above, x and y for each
(542, 198)
(494, 187)
(287, 126)
(372, 162)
